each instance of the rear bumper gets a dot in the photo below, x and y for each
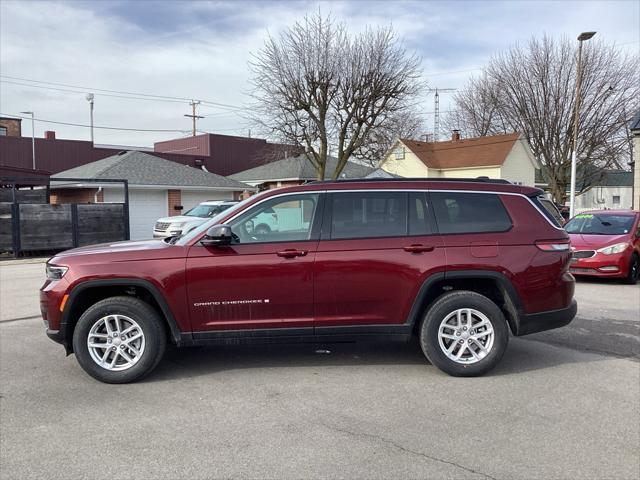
(538, 322)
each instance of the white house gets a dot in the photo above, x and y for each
(507, 157)
(157, 187)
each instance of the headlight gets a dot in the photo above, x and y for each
(176, 225)
(617, 248)
(55, 272)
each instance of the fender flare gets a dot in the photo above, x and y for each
(514, 303)
(114, 282)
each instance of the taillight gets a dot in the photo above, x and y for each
(553, 246)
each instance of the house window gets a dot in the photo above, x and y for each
(616, 199)
(399, 153)
(3, 131)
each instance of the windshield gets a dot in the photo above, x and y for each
(206, 210)
(209, 223)
(600, 224)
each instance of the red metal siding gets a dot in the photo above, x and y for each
(228, 155)
(198, 145)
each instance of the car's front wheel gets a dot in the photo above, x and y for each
(464, 334)
(634, 270)
(119, 340)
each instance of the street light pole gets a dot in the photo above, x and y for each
(90, 100)
(33, 138)
(574, 153)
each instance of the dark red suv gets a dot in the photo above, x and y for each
(460, 264)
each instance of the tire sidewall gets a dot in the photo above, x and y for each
(444, 306)
(147, 319)
(630, 277)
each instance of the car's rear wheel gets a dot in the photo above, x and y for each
(634, 270)
(464, 334)
(119, 340)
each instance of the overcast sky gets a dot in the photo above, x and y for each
(200, 50)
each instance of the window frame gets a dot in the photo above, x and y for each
(316, 221)
(498, 194)
(327, 223)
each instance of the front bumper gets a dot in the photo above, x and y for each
(539, 322)
(601, 265)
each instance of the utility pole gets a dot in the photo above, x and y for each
(574, 160)
(193, 115)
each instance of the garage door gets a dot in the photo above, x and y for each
(193, 198)
(145, 207)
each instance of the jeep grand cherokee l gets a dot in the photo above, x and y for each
(459, 264)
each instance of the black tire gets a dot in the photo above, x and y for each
(145, 316)
(634, 270)
(449, 303)
(262, 229)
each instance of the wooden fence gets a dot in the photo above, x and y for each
(33, 227)
(29, 223)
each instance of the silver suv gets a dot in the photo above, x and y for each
(179, 225)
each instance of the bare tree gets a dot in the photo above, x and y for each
(531, 89)
(318, 87)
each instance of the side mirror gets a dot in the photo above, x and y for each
(217, 235)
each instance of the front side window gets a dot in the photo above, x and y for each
(460, 212)
(368, 215)
(282, 219)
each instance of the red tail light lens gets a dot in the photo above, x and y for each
(553, 246)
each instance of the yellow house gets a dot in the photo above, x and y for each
(498, 156)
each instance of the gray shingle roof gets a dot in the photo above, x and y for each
(298, 168)
(634, 126)
(141, 168)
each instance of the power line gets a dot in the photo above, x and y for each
(83, 92)
(136, 95)
(101, 127)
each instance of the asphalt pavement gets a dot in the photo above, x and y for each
(562, 404)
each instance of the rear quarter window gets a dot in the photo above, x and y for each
(460, 212)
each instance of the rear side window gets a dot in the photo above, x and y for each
(419, 220)
(368, 214)
(459, 212)
(550, 210)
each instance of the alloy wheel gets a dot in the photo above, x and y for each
(466, 336)
(116, 342)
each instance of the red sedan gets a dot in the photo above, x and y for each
(606, 243)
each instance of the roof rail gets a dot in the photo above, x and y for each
(416, 179)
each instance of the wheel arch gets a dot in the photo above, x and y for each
(494, 285)
(87, 293)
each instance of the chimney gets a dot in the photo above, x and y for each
(50, 135)
(455, 135)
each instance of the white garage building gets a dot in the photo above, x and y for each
(157, 187)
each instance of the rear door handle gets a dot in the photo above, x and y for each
(292, 253)
(418, 248)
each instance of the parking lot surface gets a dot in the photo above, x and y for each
(562, 404)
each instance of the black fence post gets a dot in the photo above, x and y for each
(74, 225)
(15, 228)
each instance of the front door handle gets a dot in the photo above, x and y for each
(418, 248)
(292, 253)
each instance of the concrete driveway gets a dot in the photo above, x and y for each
(562, 404)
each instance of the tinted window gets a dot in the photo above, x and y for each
(418, 214)
(469, 212)
(551, 211)
(368, 214)
(282, 219)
